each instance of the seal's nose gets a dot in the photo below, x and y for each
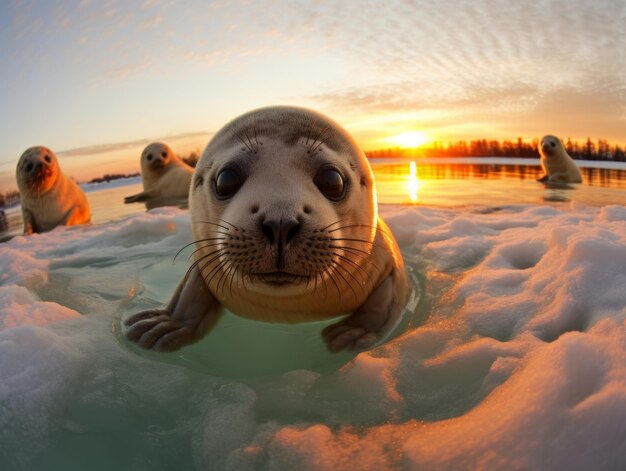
(280, 231)
(545, 147)
(33, 168)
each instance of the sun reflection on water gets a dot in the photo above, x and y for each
(413, 182)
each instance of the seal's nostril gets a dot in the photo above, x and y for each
(291, 233)
(269, 230)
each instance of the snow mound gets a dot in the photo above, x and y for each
(515, 357)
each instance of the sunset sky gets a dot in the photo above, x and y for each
(110, 76)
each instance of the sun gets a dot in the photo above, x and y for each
(410, 139)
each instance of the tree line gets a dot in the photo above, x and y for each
(588, 150)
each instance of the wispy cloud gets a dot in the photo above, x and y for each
(506, 66)
(118, 146)
(124, 71)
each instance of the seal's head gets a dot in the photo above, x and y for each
(282, 204)
(37, 170)
(550, 145)
(155, 157)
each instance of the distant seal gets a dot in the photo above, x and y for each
(286, 229)
(165, 178)
(48, 197)
(558, 166)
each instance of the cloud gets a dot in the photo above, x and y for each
(125, 71)
(409, 96)
(116, 146)
(151, 22)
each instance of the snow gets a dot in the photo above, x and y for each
(118, 182)
(513, 359)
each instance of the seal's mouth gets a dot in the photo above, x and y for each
(157, 164)
(41, 176)
(279, 278)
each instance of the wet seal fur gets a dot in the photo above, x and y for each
(165, 178)
(286, 229)
(557, 164)
(49, 198)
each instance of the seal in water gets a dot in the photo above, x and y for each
(286, 229)
(557, 164)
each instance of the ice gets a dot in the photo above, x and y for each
(515, 357)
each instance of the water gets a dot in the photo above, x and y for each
(448, 182)
(492, 182)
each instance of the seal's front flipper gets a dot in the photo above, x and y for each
(191, 313)
(139, 197)
(369, 324)
(75, 216)
(29, 222)
(544, 178)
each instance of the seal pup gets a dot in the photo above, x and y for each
(165, 178)
(49, 198)
(558, 166)
(286, 229)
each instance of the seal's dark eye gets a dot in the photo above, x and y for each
(149, 157)
(47, 158)
(227, 183)
(29, 167)
(330, 183)
(552, 144)
(163, 154)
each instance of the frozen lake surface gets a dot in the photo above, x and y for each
(514, 358)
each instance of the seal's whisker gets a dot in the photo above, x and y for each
(245, 133)
(224, 270)
(321, 136)
(358, 253)
(236, 134)
(347, 247)
(332, 278)
(322, 141)
(310, 277)
(308, 136)
(211, 232)
(256, 139)
(323, 278)
(243, 279)
(350, 239)
(353, 263)
(195, 242)
(326, 227)
(237, 228)
(232, 276)
(370, 243)
(225, 274)
(351, 226)
(206, 247)
(338, 265)
(216, 269)
(202, 259)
